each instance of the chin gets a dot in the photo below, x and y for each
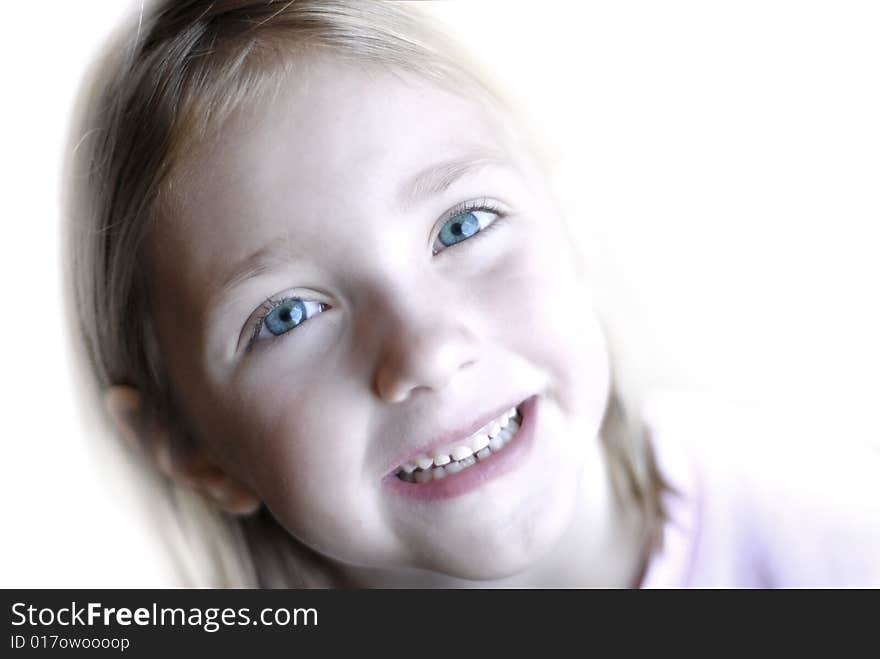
(489, 573)
(512, 548)
(495, 565)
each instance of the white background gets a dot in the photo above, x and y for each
(722, 160)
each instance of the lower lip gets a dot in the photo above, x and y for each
(507, 459)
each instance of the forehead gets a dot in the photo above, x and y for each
(333, 120)
(337, 138)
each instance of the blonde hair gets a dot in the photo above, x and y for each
(190, 65)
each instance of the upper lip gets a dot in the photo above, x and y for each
(446, 437)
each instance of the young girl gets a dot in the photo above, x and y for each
(323, 283)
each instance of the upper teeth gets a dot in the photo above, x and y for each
(463, 449)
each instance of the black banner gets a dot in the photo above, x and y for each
(136, 623)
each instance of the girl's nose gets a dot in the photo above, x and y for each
(425, 355)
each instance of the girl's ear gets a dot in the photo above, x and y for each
(191, 467)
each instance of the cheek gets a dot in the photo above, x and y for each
(305, 456)
(543, 311)
(294, 422)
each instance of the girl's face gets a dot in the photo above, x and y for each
(366, 269)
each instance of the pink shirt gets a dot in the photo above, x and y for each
(765, 504)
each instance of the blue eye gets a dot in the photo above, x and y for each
(282, 316)
(285, 316)
(459, 228)
(463, 225)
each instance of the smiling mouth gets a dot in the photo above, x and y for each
(479, 447)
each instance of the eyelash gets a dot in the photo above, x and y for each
(469, 206)
(270, 303)
(268, 306)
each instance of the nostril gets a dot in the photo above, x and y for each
(426, 360)
(387, 387)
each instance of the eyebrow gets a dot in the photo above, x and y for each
(255, 263)
(431, 181)
(439, 177)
